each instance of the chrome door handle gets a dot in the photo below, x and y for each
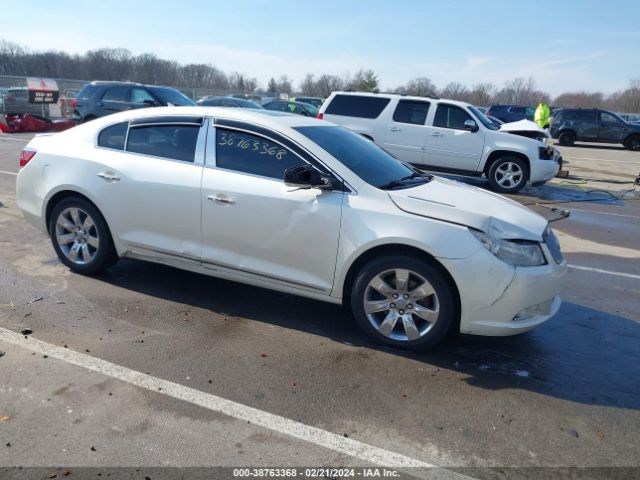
(395, 129)
(110, 177)
(437, 134)
(221, 199)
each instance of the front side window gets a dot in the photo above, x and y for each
(139, 95)
(518, 110)
(247, 153)
(608, 118)
(411, 111)
(450, 116)
(113, 136)
(530, 112)
(176, 142)
(117, 94)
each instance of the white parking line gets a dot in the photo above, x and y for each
(26, 140)
(322, 438)
(8, 173)
(606, 272)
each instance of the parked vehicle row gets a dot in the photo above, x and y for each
(446, 136)
(348, 222)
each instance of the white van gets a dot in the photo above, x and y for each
(446, 136)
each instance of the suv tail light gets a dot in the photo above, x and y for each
(74, 103)
(320, 116)
(25, 156)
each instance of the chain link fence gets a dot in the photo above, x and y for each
(14, 96)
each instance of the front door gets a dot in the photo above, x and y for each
(406, 134)
(449, 144)
(253, 224)
(611, 127)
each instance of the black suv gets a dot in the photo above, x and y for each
(569, 125)
(97, 99)
(511, 113)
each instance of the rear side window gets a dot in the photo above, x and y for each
(357, 106)
(113, 136)
(176, 142)
(516, 109)
(411, 111)
(450, 116)
(247, 153)
(585, 115)
(87, 92)
(117, 94)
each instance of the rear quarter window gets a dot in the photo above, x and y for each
(113, 136)
(357, 106)
(87, 92)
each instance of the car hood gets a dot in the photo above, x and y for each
(526, 128)
(462, 204)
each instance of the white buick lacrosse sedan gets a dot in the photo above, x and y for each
(298, 205)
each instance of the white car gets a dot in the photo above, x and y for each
(446, 136)
(298, 205)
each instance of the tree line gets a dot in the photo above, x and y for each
(121, 64)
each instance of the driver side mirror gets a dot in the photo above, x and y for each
(305, 177)
(471, 126)
(150, 103)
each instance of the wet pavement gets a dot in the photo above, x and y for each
(565, 394)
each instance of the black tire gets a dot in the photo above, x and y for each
(567, 138)
(430, 332)
(498, 177)
(633, 143)
(99, 244)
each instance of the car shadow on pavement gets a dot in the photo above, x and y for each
(581, 355)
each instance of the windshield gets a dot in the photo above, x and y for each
(363, 157)
(246, 103)
(483, 118)
(171, 96)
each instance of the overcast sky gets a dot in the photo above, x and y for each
(564, 45)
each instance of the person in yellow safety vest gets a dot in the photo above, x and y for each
(543, 115)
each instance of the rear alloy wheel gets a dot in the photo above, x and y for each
(567, 138)
(633, 143)
(508, 175)
(403, 302)
(80, 236)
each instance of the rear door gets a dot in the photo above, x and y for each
(586, 125)
(406, 133)
(449, 145)
(611, 128)
(151, 184)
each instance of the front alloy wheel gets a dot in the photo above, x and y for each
(508, 175)
(403, 301)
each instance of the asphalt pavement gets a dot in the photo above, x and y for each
(149, 366)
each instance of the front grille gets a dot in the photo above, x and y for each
(554, 245)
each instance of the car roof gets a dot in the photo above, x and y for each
(402, 97)
(266, 118)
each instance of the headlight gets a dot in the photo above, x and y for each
(519, 253)
(546, 153)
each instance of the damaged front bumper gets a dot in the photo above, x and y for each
(504, 300)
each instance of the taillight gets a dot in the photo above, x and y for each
(25, 156)
(320, 116)
(74, 103)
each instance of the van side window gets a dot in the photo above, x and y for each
(411, 111)
(357, 106)
(450, 116)
(113, 136)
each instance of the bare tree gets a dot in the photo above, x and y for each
(455, 91)
(422, 87)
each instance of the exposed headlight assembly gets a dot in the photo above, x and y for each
(519, 253)
(546, 153)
